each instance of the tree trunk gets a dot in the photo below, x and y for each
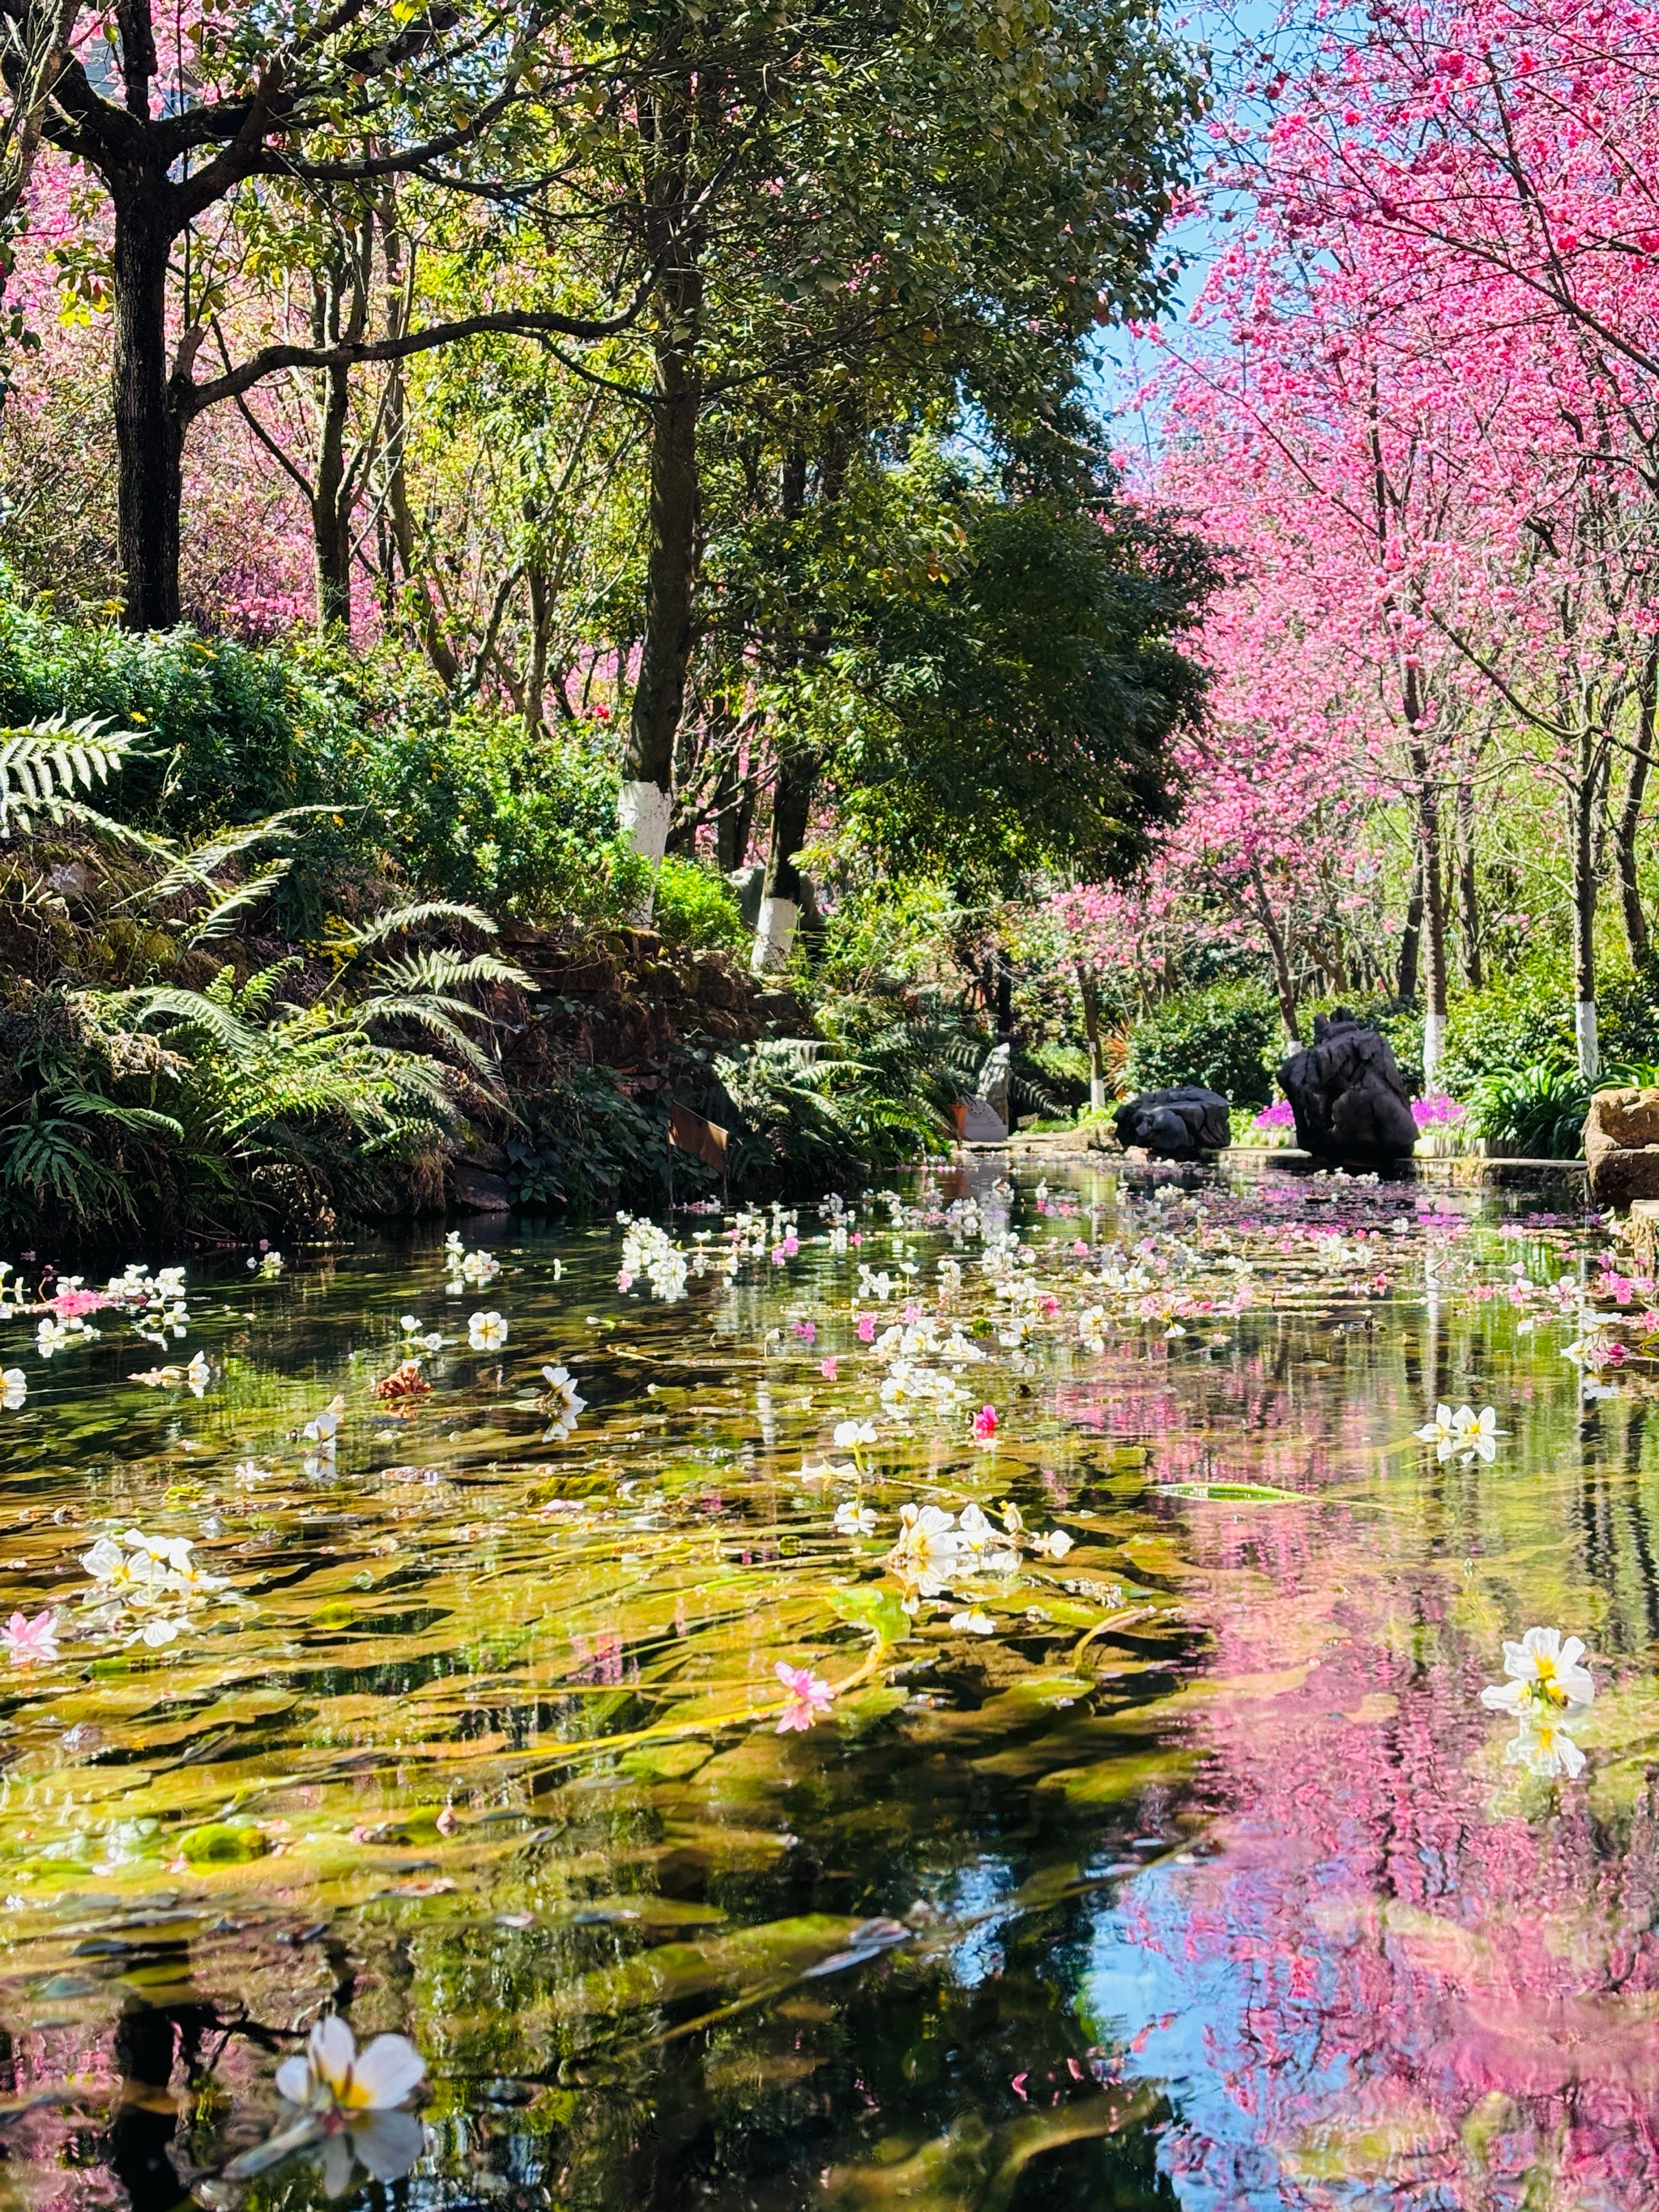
(1629, 814)
(780, 889)
(1434, 917)
(1411, 938)
(1583, 797)
(1469, 890)
(1284, 981)
(666, 653)
(541, 624)
(149, 435)
(331, 506)
(1088, 990)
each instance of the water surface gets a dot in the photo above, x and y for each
(1183, 1868)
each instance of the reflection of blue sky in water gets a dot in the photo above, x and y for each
(1180, 2016)
(985, 1886)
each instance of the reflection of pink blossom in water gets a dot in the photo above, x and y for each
(1365, 1968)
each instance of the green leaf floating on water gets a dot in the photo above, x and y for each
(1235, 1493)
(873, 1607)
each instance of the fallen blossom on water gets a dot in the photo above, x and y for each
(486, 1332)
(1548, 1677)
(852, 1519)
(973, 1624)
(853, 1436)
(806, 1696)
(31, 1641)
(564, 1404)
(14, 1389)
(828, 1369)
(986, 1425)
(334, 2076)
(350, 2105)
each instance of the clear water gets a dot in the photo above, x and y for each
(1200, 1880)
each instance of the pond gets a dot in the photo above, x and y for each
(971, 1698)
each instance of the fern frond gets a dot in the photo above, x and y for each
(439, 970)
(42, 763)
(219, 918)
(415, 917)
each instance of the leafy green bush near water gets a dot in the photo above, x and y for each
(1228, 1038)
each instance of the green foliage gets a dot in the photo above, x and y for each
(1538, 1111)
(1228, 1038)
(816, 1122)
(1534, 1112)
(1005, 674)
(694, 906)
(218, 719)
(1521, 1019)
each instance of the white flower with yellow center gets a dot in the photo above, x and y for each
(1475, 1435)
(486, 1332)
(1441, 1432)
(852, 1519)
(351, 2103)
(1548, 1679)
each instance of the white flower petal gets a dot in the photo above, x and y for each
(388, 2070)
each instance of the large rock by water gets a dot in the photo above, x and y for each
(1348, 1096)
(1175, 1125)
(1621, 1147)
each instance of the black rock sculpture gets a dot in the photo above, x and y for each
(1175, 1125)
(1348, 1096)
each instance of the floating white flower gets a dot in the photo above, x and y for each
(1055, 1545)
(324, 1427)
(486, 1332)
(852, 1519)
(564, 1404)
(853, 1436)
(929, 1551)
(334, 2076)
(973, 1624)
(351, 2103)
(1546, 1678)
(1441, 1432)
(1476, 1435)
(14, 1389)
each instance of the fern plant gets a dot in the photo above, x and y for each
(42, 763)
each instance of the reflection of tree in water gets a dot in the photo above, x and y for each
(150, 2042)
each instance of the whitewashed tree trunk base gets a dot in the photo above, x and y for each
(774, 933)
(1585, 1036)
(643, 811)
(1434, 1048)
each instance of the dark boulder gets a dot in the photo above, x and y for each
(1348, 1096)
(1175, 1125)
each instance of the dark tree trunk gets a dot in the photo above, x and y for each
(671, 563)
(1469, 890)
(780, 889)
(1630, 815)
(331, 506)
(148, 434)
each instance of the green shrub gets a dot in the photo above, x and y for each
(696, 907)
(1228, 1038)
(1538, 1112)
